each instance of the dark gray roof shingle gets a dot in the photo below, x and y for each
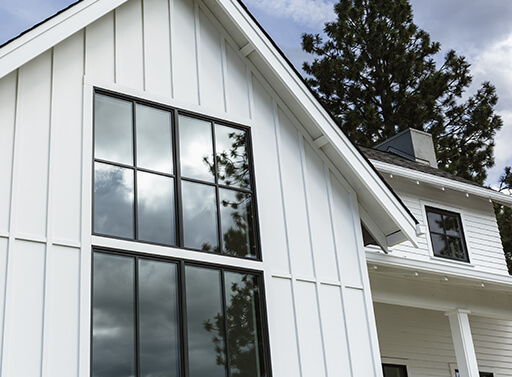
(394, 159)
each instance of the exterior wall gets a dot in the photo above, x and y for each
(421, 339)
(319, 307)
(480, 228)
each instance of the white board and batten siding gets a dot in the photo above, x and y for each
(176, 53)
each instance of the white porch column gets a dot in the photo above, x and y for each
(463, 342)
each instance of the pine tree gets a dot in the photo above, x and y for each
(377, 75)
(504, 217)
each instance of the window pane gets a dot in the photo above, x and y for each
(451, 225)
(232, 158)
(456, 249)
(435, 222)
(113, 200)
(241, 307)
(113, 318)
(155, 203)
(236, 220)
(205, 323)
(439, 245)
(394, 370)
(200, 216)
(158, 319)
(196, 149)
(154, 139)
(113, 131)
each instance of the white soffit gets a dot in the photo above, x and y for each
(443, 182)
(43, 37)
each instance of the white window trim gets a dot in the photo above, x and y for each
(460, 212)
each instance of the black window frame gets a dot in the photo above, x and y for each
(181, 264)
(400, 367)
(480, 374)
(458, 218)
(176, 175)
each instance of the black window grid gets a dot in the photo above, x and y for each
(459, 236)
(261, 316)
(176, 175)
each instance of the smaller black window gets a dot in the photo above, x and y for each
(481, 374)
(394, 370)
(446, 234)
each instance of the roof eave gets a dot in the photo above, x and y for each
(49, 33)
(443, 182)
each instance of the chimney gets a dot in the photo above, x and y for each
(412, 144)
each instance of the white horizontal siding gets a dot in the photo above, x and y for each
(493, 344)
(420, 339)
(480, 231)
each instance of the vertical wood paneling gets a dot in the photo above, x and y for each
(320, 219)
(100, 49)
(184, 51)
(346, 244)
(335, 335)
(237, 90)
(129, 45)
(33, 120)
(7, 120)
(157, 47)
(24, 317)
(285, 360)
(358, 332)
(210, 64)
(310, 334)
(294, 198)
(271, 216)
(62, 308)
(66, 143)
(3, 279)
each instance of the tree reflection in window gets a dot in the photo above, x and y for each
(242, 338)
(446, 234)
(204, 200)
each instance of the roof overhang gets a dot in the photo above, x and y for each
(443, 183)
(49, 33)
(383, 208)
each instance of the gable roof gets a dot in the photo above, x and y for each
(393, 220)
(388, 162)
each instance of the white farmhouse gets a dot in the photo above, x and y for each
(174, 202)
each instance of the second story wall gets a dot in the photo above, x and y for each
(481, 234)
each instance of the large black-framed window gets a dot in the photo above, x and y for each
(159, 317)
(394, 370)
(168, 177)
(446, 234)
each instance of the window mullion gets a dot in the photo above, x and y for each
(135, 191)
(182, 302)
(226, 328)
(136, 316)
(180, 240)
(217, 191)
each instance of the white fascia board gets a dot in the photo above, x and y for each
(48, 34)
(297, 89)
(437, 181)
(438, 268)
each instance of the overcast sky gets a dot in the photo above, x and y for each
(478, 29)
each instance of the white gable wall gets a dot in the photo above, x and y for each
(172, 52)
